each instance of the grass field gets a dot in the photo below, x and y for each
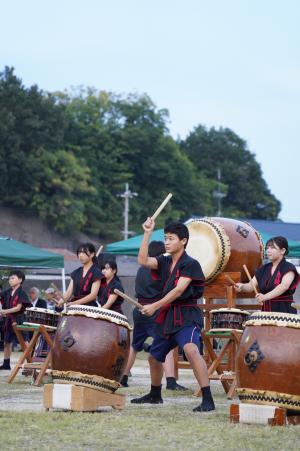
(171, 426)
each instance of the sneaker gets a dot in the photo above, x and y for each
(2, 367)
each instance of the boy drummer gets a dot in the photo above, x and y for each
(14, 302)
(180, 320)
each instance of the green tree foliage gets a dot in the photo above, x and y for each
(247, 194)
(37, 175)
(67, 156)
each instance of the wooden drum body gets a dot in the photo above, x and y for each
(223, 244)
(268, 360)
(91, 347)
(228, 318)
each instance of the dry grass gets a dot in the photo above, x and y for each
(171, 426)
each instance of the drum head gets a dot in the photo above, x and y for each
(210, 245)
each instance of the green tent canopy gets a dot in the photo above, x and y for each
(132, 245)
(20, 255)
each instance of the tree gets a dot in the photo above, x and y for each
(241, 174)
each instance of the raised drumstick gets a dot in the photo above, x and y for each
(250, 279)
(99, 250)
(128, 298)
(162, 206)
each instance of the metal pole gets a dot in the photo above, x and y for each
(126, 195)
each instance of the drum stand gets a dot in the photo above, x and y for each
(28, 349)
(225, 373)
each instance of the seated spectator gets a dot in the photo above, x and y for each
(35, 300)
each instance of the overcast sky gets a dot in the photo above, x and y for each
(229, 63)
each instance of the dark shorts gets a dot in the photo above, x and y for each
(10, 336)
(140, 334)
(143, 328)
(162, 346)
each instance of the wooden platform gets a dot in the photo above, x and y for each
(262, 414)
(79, 399)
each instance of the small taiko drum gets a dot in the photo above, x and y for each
(91, 348)
(35, 316)
(228, 318)
(268, 360)
(223, 244)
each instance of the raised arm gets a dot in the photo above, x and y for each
(143, 258)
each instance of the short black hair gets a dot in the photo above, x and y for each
(179, 229)
(280, 241)
(19, 274)
(112, 264)
(87, 248)
(156, 248)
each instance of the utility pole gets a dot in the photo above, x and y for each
(218, 194)
(127, 194)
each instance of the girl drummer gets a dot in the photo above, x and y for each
(108, 299)
(276, 280)
(86, 280)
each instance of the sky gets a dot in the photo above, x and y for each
(219, 63)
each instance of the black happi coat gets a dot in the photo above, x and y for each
(148, 289)
(183, 311)
(8, 301)
(267, 282)
(82, 286)
(108, 289)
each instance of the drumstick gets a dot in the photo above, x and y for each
(162, 206)
(128, 298)
(230, 280)
(250, 279)
(296, 306)
(99, 250)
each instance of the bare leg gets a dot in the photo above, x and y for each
(7, 350)
(7, 354)
(156, 371)
(154, 397)
(200, 371)
(168, 365)
(169, 368)
(197, 363)
(131, 360)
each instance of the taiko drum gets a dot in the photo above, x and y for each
(91, 341)
(224, 244)
(268, 360)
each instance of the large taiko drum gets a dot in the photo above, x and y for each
(91, 347)
(268, 360)
(223, 244)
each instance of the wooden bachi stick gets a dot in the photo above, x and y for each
(162, 206)
(99, 250)
(250, 279)
(128, 298)
(230, 280)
